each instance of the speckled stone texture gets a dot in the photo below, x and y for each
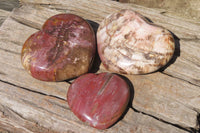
(63, 49)
(129, 44)
(98, 100)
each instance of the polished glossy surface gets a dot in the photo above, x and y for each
(63, 49)
(128, 43)
(98, 100)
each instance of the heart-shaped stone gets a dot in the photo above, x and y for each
(63, 49)
(98, 100)
(129, 43)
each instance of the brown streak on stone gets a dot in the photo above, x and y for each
(149, 37)
(122, 70)
(148, 56)
(127, 35)
(107, 78)
(140, 69)
(163, 31)
(57, 49)
(171, 39)
(94, 108)
(118, 28)
(118, 15)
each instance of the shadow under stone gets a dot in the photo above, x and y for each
(96, 61)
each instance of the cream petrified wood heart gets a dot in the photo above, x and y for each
(128, 43)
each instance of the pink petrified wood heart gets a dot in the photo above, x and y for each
(98, 100)
(128, 43)
(63, 49)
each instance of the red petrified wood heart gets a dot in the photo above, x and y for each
(63, 49)
(98, 100)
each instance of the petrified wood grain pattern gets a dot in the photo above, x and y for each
(186, 33)
(99, 99)
(63, 49)
(41, 106)
(128, 43)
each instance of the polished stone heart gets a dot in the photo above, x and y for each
(63, 49)
(98, 100)
(128, 43)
